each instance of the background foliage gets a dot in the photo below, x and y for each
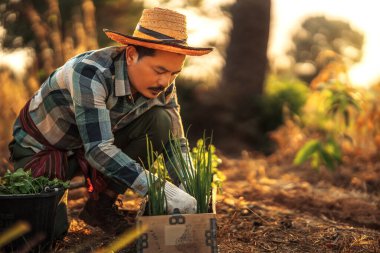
(248, 102)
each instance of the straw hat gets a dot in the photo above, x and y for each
(160, 29)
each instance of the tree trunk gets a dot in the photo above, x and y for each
(233, 111)
(246, 62)
(238, 109)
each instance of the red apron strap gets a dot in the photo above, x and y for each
(53, 162)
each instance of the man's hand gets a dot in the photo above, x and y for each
(177, 198)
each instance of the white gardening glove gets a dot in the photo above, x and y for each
(182, 187)
(175, 197)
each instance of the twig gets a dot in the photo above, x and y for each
(261, 218)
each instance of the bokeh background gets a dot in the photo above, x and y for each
(275, 61)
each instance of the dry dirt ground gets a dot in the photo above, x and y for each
(269, 205)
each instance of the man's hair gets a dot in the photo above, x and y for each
(144, 51)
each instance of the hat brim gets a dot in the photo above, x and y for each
(159, 45)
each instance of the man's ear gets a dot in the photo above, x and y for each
(131, 55)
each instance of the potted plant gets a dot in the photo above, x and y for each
(32, 200)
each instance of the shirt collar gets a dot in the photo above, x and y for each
(122, 84)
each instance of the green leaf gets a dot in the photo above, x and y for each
(334, 150)
(306, 151)
(315, 161)
(327, 159)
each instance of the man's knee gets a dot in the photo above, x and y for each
(160, 124)
(155, 123)
(159, 119)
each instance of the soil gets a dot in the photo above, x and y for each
(269, 205)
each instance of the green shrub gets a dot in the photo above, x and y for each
(279, 92)
(291, 91)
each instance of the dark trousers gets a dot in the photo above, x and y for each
(155, 124)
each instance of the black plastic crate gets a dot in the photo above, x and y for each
(39, 210)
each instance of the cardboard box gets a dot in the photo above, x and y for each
(182, 233)
(179, 233)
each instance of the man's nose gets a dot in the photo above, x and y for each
(165, 79)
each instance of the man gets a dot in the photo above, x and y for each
(94, 113)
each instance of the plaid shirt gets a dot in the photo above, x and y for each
(87, 99)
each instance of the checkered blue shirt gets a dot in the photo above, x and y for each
(87, 99)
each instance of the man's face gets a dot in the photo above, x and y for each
(150, 75)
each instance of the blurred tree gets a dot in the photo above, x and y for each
(244, 73)
(41, 26)
(58, 30)
(318, 34)
(246, 60)
(13, 97)
(119, 15)
(236, 104)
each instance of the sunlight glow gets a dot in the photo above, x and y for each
(18, 60)
(123, 240)
(363, 15)
(15, 231)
